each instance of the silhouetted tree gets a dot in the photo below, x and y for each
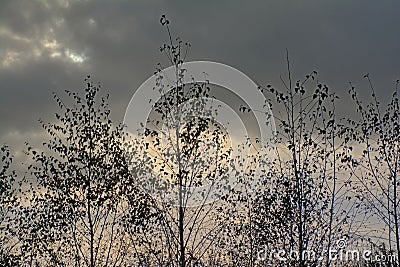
(375, 164)
(303, 205)
(78, 199)
(182, 148)
(8, 208)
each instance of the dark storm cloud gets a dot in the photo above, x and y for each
(48, 46)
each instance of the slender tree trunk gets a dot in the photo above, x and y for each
(389, 219)
(295, 162)
(180, 179)
(396, 218)
(332, 209)
(89, 192)
(90, 229)
(181, 228)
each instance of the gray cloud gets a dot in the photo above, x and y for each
(48, 46)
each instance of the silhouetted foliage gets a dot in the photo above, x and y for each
(375, 165)
(85, 200)
(8, 205)
(176, 154)
(79, 198)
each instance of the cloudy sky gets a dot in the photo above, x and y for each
(51, 45)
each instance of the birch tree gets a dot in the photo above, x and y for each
(78, 195)
(8, 210)
(375, 165)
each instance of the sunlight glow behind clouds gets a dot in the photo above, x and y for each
(47, 39)
(37, 49)
(76, 58)
(9, 57)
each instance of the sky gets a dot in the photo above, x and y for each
(51, 45)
